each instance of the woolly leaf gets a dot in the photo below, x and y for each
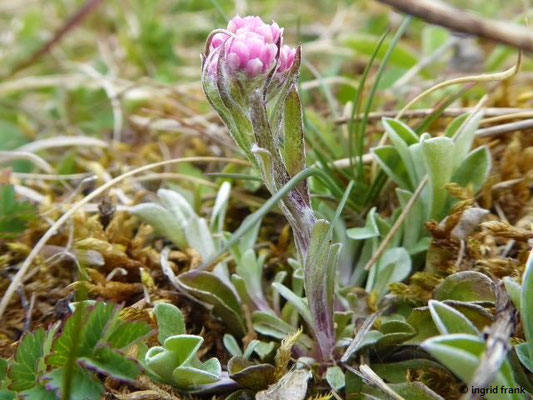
(170, 321)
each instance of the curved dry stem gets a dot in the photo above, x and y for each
(53, 229)
(8, 156)
(62, 141)
(498, 76)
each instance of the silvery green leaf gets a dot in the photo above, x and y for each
(526, 309)
(394, 332)
(280, 277)
(464, 137)
(402, 138)
(296, 301)
(335, 378)
(209, 288)
(449, 320)
(271, 325)
(455, 125)
(188, 377)
(177, 205)
(183, 346)
(474, 169)
(417, 155)
(170, 321)
(250, 349)
(247, 241)
(390, 161)
(394, 266)
(462, 353)
(319, 281)
(522, 351)
(163, 222)
(231, 345)
(219, 209)
(414, 220)
(370, 229)
(162, 362)
(263, 349)
(438, 159)
(199, 237)
(514, 290)
(250, 268)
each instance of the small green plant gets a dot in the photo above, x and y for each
(175, 362)
(41, 367)
(14, 214)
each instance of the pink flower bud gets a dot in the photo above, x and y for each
(250, 46)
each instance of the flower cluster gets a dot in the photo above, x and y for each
(251, 46)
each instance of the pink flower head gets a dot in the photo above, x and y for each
(250, 46)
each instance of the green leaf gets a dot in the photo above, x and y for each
(170, 321)
(271, 325)
(14, 214)
(335, 378)
(474, 169)
(3, 370)
(162, 362)
(190, 377)
(393, 266)
(208, 287)
(163, 221)
(231, 345)
(101, 317)
(296, 301)
(466, 286)
(124, 334)
(455, 125)
(250, 375)
(37, 392)
(23, 372)
(390, 161)
(370, 229)
(415, 391)
(319, 278)
(514, 290)
(438, 159)
(461, 354)
(84, 384)
(402, 138)
(413, 223)
(184, 347)
(464, 137)
(98, 319)
(522, 351)
(449, 320)
(115, 365)
(527, 303)
(396, 372)
(293, 146)
(394, 332)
